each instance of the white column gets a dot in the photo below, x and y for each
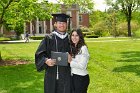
(44, 26)
(24, 27)
(77, 25)
(37, 26)
(1, 29)
(51, 27)
(31, 30)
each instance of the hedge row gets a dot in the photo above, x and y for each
(91, 36)
(41, 37)
(37, 37)
(4, 39)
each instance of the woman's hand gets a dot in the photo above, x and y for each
(69, 58)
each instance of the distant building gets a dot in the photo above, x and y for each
(37, 27)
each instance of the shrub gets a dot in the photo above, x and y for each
(136, 34)
(123, 29)
(86, 31)
(4, 39)
(92, 36)
(37, 37)
(100, 29)
(1, 35)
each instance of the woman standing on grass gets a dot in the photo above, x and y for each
(80, 57)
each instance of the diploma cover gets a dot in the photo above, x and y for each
(61, 58)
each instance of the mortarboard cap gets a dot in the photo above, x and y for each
(61, 17)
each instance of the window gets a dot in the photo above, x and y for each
(80, 18)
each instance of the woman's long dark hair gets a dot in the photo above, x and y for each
(76, 49)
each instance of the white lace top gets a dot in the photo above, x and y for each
(79, 63)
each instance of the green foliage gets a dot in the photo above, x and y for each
(84, 6)
(136, 34)
(122, 28)
(96, 16)
(127, 7)
(100, 29)
(13, 14)
(1, 35)
(111, 23)
(85, 31)
(136, 16)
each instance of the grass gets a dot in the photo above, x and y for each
(114, 67)
(24, 51)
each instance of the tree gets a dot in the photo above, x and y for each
(4, 4)
(97, 16)
(85, 5)
(127, 7)
(14, 13)
(111, 22)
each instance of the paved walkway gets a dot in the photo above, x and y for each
(19, 41)
(23, 41)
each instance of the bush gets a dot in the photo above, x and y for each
(37, 37)
(123, 29)
(92, 36)
(1, 35)
(13, 38)
(101, 29)
(85, 31)
(136, 34)
(4, 39)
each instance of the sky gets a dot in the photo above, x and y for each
(99, 4)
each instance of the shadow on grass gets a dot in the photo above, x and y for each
(132, 56)
(21, 79)
(128, 68)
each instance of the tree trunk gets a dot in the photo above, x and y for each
(0, 57)
(129, 28)
(129, 20)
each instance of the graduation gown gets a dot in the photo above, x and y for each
(53, 43)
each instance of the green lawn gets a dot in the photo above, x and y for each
(114, 67)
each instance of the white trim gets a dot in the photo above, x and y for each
(31, 30)
(1, 29)
(37, 25)
(24, 27)
(51, 27)
(60, 35)
(77, 25)
(44, 26)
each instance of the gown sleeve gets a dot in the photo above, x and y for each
(41, 55)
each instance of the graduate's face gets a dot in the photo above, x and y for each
(61, 26)
(75, 37)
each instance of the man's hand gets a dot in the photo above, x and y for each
(50, 62)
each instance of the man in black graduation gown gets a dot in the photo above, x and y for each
(57, 78)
